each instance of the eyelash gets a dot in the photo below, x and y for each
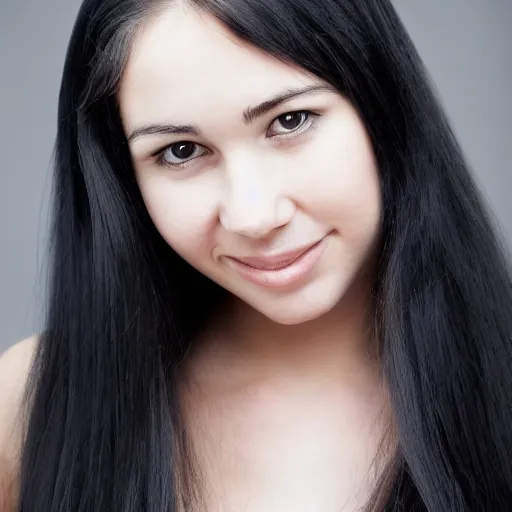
(309, 116)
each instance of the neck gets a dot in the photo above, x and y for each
(337, 348)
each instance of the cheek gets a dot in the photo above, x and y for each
(184, 224)
(344, 189)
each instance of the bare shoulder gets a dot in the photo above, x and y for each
(15, 364)
(14, 368)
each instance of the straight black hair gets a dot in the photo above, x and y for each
(104, 430)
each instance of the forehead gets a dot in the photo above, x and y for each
(186, 62)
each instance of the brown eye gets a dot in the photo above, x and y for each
(292, 123)
(181, 150)
(179, 153)
(292, 120)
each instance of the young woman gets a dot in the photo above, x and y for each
(275, 286)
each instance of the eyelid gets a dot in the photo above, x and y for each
(310, 122)
(158, 155)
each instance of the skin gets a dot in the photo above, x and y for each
(283, 393)
(14, 368)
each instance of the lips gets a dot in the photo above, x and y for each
(280, 272)
(276, 262)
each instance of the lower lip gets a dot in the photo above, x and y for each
(282, 277)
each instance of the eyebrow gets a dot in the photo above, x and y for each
(249, 115)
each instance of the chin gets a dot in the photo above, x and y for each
(292, 318)
(300, 308)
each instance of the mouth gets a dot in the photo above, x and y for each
(276, 262)
(281, 270)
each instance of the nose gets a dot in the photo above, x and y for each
(255, 210)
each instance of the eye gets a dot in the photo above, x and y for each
(179, 154)
(293, 123)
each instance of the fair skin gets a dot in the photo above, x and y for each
(14, 368)
(282, 397)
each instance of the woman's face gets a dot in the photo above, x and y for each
(228, 172)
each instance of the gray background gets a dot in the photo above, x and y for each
(466, 44)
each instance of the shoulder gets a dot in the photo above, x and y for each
(15, 364)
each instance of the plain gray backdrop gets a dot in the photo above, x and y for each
(466, 45)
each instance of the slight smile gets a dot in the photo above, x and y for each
(278, 271)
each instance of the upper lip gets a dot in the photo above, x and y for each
(278, 260)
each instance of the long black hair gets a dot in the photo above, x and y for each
(104, 430)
